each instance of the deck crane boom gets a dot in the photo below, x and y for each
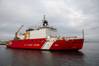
(16, 33)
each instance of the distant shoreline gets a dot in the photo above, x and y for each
(2, 44)
(91, 41)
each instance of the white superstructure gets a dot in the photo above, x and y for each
(42, 32)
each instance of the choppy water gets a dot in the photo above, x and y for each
(88, 56)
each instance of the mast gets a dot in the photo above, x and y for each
(45, 22)
(44, 17)
(83, 34)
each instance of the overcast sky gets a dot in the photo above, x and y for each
(68, 16)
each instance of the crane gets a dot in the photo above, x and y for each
(16, 33)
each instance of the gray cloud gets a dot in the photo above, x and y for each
(69, 16)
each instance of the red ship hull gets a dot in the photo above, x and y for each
(71, 44)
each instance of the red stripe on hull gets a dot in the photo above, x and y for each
(38, 43)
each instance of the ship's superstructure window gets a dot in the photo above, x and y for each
(30, 29)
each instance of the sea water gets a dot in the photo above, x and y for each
(88, 56)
